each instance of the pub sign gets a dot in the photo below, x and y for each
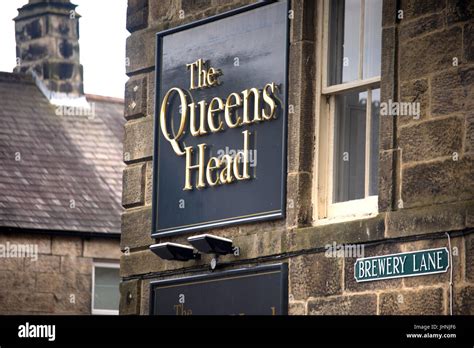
(261, 290)
(220, 120)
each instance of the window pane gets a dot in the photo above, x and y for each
(374, 143)
(372, 38)
(106, 289)
(344, 28)
(349, 146)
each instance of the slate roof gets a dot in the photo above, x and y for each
(61, 173)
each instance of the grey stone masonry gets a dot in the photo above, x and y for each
(47, 44)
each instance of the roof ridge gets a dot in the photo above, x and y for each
(15, 77)
(103, 98)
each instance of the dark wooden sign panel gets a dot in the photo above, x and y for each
(220, 120)
(257, 291)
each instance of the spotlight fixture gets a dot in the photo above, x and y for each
(209, 244)
(173, 251)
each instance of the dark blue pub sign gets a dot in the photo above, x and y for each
(220, 120)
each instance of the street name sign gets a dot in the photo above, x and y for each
(410, 264)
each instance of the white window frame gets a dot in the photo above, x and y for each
(324, 211)
(102, 265)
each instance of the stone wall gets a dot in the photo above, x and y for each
(59, 281)
(426, 185)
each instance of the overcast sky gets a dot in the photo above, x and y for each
(102, 42)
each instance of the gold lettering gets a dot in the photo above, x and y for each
(202, 73)
(226, 173)
(238, 158)
(210, 113)
(164, 129)
(200, 166)
(180, 310)
(191, 67)
(228, 110)
(256, 107)
(212, 77)
(202, 119)
(212, 165)
(269, 101)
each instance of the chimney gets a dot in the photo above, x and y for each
(47, 46)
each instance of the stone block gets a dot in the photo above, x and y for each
(26, 302)
(143, 262)
(191, 7)
(415, 91)
(140, 51)
(256, 245)
(315, 275)
(138, 140)
(136, 97)
(73, 303)
(452, 91)
(365, 304)
(17, 280)
(386, 180)
(417, 8)
(137, 15)
(469, 252)
(469, 142)
(468, 41)
(438, 182)
(459, 11)
(303, 23)
(66, 246)
(57, 282)
(11, 264)
(389, 13)
(42, 241)
(298, 207)
(297, 308)
(424, 301)
(420, 26)
(102, 248)
(463, 300)
(136, 228)
(429, 219)
(431, 139)
(387, 86)
(436, 51)
(149, 183)
(44, 264)
(145, 297)
(163, 11)
(130, 297)
(300, 107)
(81, 265)
(356, 231)
(133, 185)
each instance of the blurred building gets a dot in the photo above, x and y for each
(60, 174)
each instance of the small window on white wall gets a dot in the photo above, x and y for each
(105, 288)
